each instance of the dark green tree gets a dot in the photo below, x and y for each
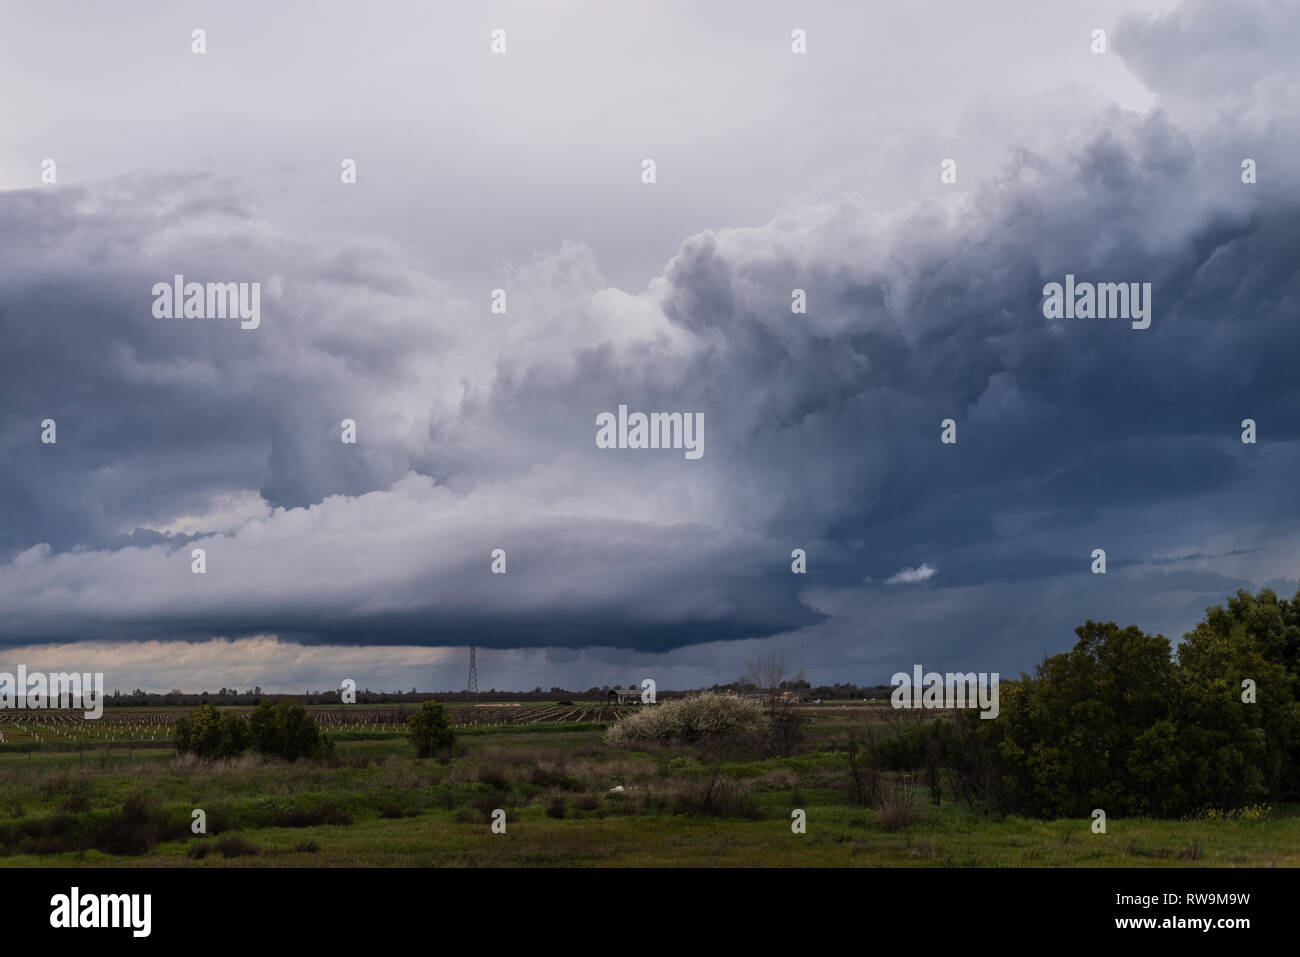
(285, 728)
(1242, 751)
(429, 730)
(211, 735)
(1118, 723)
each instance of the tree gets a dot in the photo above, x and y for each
(1118, 723)
(209, 735)
(1240, 752)
(285, 728)
(429, 730)
(786, 725)
(1070, 736)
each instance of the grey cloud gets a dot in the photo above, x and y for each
(476, 431)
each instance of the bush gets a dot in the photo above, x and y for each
(715, 796)
(133, 830)
(207, 734)
(546, 774)
(911, 748)
(899, 806)
(863, 784)
(236, 846)
(136, 828)
(494, 777)
(75, 804)
(696, 717)
(285, 729)
(787, 728)
(327, 812)
(429, 730)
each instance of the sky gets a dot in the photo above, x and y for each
(476, 429)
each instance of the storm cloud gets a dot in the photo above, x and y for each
(476, 430)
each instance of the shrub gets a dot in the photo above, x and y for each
(236, 846)
(494, 777)
(137, 827)
(207, 734)
(60, 784)
(75, 804)
(787, 728)
(545, 774)
(132, 831)
(181, 733)
(695, 717)
(430, 731)
(715, 796)
(899, 806)
(285, 729)
(327, 812)
(863, 784)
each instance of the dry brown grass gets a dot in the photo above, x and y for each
(900, 805)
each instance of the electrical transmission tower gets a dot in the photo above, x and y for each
(471, 686)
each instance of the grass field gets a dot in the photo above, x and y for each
(67, 799)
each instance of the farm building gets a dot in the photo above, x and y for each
(627, 695)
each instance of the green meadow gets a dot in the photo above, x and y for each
(569, 798)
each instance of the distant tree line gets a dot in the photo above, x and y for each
(836, 692)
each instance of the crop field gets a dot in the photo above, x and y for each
(537, 713)
(467, 715)
(119, 726)
(70, 728)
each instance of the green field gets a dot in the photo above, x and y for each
(62, 803)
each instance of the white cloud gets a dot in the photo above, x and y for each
(910, 576)
(225, 513)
